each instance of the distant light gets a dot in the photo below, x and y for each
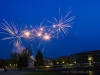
(89, 58)
(57, 63)
(47, 66)
(63, 62)
(9, 64)
(90, 72)
(51, 63)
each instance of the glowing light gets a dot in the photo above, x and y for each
(54, 26)
(41, 29)
(63, 62)
(51, 63)
(46, 37)
(9, 64)
(57, 63)
(89, 58)
(12, 31)
(47, 66)
(39, 34)
(58, 28)
(26, 34)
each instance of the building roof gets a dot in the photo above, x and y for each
(64, 56)
(87, 52)
(47, 58)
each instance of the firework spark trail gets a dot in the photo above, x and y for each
(12, 31)
(42, 32)
(62, 24)
(25, 34)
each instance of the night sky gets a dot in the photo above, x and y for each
(83, 36)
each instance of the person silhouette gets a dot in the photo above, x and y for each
(5, 69)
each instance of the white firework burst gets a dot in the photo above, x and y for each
(62, 24)
(12, 32)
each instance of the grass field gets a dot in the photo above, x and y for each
(52, 73)
(42, 73)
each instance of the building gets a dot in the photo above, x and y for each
(87, 59)
(47, 61)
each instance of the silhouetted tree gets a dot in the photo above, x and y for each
(21, 59)
(14, 57)
(4, 62)
(39, 59)
(24, 57)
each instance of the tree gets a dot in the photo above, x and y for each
(21, 59)
(4, 62)
(14, 57)
(24, 58)
(39, 59)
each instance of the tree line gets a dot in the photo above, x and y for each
(4, 62)
(20, 60)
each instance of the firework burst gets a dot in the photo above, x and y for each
(42, 32)
(11, 31)
(25, 34)
(62, 24)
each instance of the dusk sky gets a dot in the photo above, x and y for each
(83, 36)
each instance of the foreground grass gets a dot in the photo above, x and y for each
(42, 73)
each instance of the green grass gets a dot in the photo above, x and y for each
(42, 73)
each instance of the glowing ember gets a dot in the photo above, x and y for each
(39, 34)
(26, 34)
(46, 37)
